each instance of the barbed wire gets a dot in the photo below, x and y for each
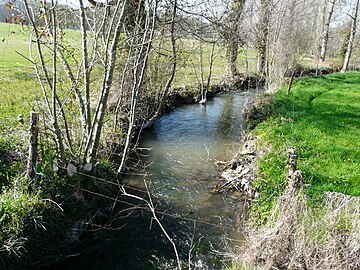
(176, 216)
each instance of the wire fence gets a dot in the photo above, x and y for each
(145, 193)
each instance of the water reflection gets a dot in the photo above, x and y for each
(226, 119)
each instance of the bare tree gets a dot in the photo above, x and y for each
(352, 36)
(329, 6)
(289, 39)
(102, 43)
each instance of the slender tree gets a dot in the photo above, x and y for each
(352, 36)
(328, 15)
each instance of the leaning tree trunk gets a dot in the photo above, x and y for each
(352, 37)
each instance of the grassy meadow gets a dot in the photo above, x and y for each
(321, 118)
(316, 227)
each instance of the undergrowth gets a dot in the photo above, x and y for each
(299, 236)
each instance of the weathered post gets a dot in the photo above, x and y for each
(33, 144)
(295, 177)
(292, 160)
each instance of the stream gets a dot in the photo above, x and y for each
(180, 151)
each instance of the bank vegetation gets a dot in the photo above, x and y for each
(311, 223)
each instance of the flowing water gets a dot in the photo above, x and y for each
(180, 151)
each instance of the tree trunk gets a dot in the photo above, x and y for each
(86, 114)
(232, 55)
(345, 42)
(57, 131)
(325, 34)
(232, 36)
(352, 37)
(33, 145)
(211, 63)
(262, 36)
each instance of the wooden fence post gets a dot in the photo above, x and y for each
(292, 160)
(33, 144)
(295, 177)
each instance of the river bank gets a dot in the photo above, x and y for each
(181, 175)
(319, 116)
(76, 207)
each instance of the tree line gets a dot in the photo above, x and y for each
(118, 76)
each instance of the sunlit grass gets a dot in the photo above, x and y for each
(321, 117)
(18, 84)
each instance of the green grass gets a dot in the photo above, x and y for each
(17, 82)
(321, 118)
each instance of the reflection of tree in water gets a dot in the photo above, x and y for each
(225, 124)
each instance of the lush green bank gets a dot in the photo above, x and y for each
(321, 118)
(315, 227)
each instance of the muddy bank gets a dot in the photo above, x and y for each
(240, 172)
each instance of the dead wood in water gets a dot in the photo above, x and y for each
(241, 169)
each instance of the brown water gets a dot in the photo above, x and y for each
(185, 144)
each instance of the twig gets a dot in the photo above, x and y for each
(152, 209)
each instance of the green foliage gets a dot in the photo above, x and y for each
(320, 117)
(18, 209)
(241, 266)
(9, 163)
